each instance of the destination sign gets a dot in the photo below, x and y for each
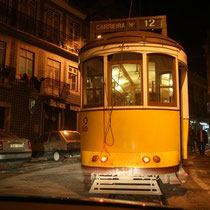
(115, 26)
(131, 24)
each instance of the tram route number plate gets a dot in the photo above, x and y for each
(150, 23)
(137, 24)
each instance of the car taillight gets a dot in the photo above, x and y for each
(29, 145)
(1, 145)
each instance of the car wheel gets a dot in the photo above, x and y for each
(58, 156)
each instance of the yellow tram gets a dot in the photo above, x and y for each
(134, 104)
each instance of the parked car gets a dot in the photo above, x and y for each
(14, 149)
(57, 144)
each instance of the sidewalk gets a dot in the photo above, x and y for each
(196, 190)
(207, 151)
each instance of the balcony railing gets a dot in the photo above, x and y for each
(7, 74)
(54, 88)
(28, 24)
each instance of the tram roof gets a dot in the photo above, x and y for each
(131, 37)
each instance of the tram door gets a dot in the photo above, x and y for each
(184, 108)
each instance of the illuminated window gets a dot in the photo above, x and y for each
(73, 78)
(126, 79)
(161, 79)
(53, 69)
(26, 62)
(2, 52)
(93, 82)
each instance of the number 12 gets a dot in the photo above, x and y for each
(150, 23)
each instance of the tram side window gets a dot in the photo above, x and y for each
(93, 83)
(126, 79)
(161, 79)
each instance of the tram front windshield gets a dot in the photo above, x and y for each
(124, 86)
(126, 79)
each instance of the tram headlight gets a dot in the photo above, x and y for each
(95, 158)
(146, 159)
(104, 159)
(156, 159)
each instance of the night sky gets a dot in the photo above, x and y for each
(188, 21)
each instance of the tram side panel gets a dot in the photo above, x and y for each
(136, 134)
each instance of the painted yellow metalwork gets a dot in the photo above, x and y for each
(136, 133)
(185, 130)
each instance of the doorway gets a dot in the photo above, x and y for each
(2, 117)
(5, 114)
(70, 122)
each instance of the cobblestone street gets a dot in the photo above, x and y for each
(52, 179)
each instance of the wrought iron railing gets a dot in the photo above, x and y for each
(30, 25)
(7, 74)
(55, 88)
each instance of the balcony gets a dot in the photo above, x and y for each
(28, 24)
(7, 74)
(55, 88)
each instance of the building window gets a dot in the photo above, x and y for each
(53, 19)
(126, 79)
(2, 53)
(93, 83)
(28, 7)
(73, 78)
(73, 31)
(52, 27)
(54, 68)
(26, 62)
(161, 78)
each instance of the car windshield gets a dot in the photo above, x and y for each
(71, 135)
(104, 99)
(5, 134)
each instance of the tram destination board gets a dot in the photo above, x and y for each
(131, 24)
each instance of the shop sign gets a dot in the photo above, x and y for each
(57, 104)
(74, 108)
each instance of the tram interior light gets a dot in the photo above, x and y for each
(118, 88)
(99, 36)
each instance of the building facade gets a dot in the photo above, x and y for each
(39, 76)
(207, 53)
(198, 101)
